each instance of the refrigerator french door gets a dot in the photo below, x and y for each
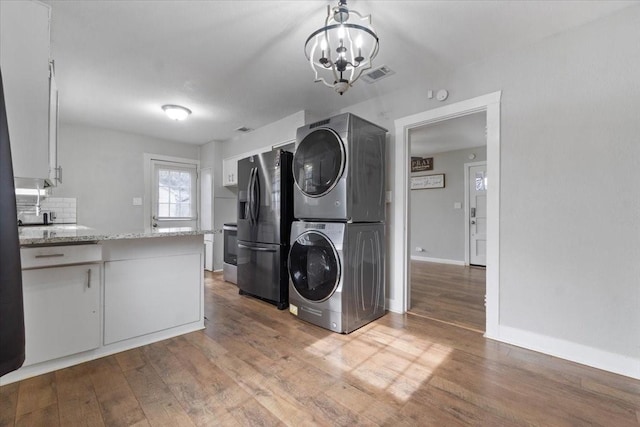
(265, 213)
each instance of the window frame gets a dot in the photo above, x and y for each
(150, 197)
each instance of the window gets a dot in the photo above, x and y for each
(174, 193)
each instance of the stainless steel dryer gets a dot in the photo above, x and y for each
(336, 274)
(339, 170)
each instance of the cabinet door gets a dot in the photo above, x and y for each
(230, 172)
(142, 296)
(61, 306)
(24, 59)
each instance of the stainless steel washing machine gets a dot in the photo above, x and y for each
(336, 273)
(339, 170)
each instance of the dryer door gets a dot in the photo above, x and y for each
(314, 266)
(318, 162)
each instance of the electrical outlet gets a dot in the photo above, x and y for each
(137, 201)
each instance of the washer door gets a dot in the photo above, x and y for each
(314, 266)
(318, 162)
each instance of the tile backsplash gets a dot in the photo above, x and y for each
(64, 209)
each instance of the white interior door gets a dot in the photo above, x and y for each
(477, 203)
(174, 197)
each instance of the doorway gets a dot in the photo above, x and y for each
(171, 192)
(444, 219)
(400, 268)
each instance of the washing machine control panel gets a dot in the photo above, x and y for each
(325, 227)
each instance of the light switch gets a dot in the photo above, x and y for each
(457, 205)
(388, 196)
(137, 201)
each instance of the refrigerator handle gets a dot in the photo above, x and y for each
(256, 196)
(256, 249)
(249, 213)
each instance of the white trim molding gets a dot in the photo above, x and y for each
(438, 260)
(585, 355)
(399, 297)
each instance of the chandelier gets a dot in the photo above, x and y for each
(341, 50)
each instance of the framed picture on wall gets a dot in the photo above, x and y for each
(427, 181)
(421, 164)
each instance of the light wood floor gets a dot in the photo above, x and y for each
(257, 366)
(449, 293)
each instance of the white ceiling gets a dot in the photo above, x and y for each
(241, 63)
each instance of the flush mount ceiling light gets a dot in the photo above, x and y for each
(343, 48)
(176, 112)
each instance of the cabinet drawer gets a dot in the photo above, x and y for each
(48, 256)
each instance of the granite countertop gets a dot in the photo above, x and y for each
(72, 233)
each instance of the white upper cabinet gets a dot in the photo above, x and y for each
(24, 60)
(230, 171)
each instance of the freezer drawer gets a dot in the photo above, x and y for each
(262, 272)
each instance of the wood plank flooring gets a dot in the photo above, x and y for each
(449, 293)
(257, 366)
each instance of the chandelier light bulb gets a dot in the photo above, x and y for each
(359, 42)
(323, 44)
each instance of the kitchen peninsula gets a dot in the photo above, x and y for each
(88, 294)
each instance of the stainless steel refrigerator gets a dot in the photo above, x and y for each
(265, 213)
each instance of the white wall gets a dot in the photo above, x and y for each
(570, 235)
(104, 169)
(209, 156)
(274, 133)
(436, 226)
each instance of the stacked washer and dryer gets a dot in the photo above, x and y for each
(337, 254)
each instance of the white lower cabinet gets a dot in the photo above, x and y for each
(142, 296)
(62, 311)
(86, 301)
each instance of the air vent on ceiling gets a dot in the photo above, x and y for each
(378, 73)
(244, 129)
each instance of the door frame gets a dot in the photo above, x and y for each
(400, 267)
(148, 182)
(467, 229)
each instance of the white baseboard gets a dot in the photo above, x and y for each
(438, 260)
(395, 307)
(585, 355)
(75, 359)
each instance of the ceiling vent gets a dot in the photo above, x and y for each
(377, 74)
(244, 129)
